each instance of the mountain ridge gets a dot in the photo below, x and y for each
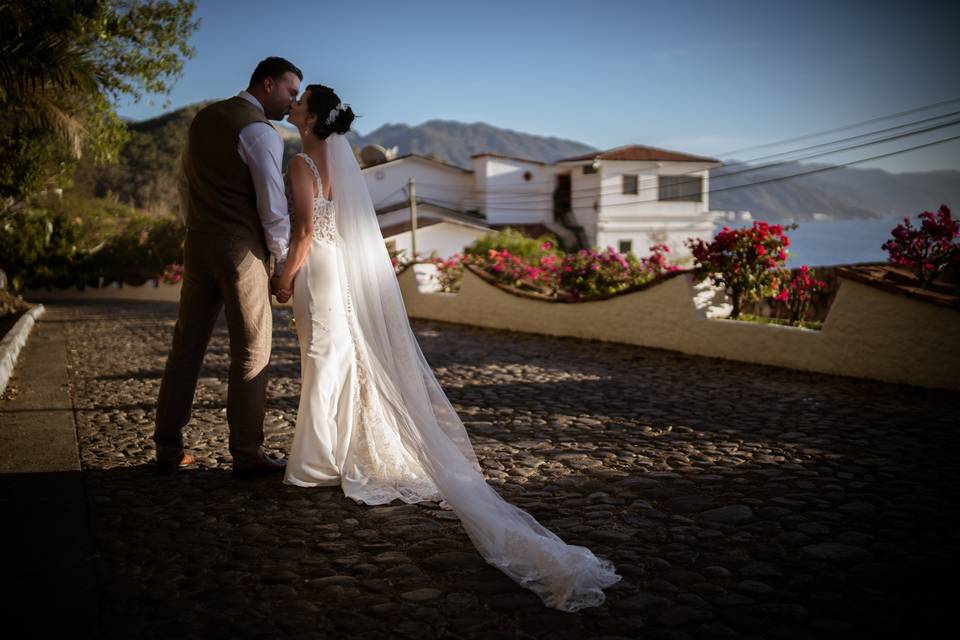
(146, 173)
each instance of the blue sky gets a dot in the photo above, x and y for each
(700, 77)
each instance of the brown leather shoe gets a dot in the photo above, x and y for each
(166, 467)
(264, 465)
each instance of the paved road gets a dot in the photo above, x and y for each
(736, 500)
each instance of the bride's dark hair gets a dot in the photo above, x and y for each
(321, 102)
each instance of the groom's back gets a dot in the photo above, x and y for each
(222, 199)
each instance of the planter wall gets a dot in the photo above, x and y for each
(869, 332)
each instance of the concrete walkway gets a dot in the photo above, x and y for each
(46, 529)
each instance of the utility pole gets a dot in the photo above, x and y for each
(413, 220)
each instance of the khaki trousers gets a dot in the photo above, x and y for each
(219, 273)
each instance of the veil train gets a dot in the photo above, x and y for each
(414, 409)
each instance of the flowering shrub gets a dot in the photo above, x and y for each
(531, 274)
(928, 249)
(539, 266)
(398, 260)
(172, 274)
(449, 272)
(515, 243)
(546, 270)
(593, 274)
(76, 241)
(795, 292)
(743, 261)
(401, 260)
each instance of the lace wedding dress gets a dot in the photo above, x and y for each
(337, 440)
(372, 416)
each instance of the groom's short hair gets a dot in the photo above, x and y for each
(273, 67)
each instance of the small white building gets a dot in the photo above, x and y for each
(443, 225)
(629, 198)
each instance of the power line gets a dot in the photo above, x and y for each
(847, 139)
(843, 128)
(782, 178)
(506, 197)
(786, 141)
(542, 199)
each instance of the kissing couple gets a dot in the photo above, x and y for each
(372, 418)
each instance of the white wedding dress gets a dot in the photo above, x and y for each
(336, 440)
(374, 420)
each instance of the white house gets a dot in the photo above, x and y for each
(629, 198)
(442, 223)
(632, 197)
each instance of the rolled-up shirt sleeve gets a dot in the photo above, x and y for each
(261, 148)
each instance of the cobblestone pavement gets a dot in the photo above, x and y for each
(736, 500)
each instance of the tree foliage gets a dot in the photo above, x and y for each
(64, 64)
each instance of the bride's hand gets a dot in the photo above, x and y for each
(277, 288)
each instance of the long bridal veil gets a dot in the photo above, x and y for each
(414, 409)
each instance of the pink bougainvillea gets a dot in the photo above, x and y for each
(544, 269)
(743, 261)
(928, 249)
(172, 274)
(794, 292)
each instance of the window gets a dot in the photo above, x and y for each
(527, 176)
(588, 169)
(631, 184)
(626, 245)
(680, 188)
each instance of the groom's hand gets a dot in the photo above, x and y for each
(281, 294)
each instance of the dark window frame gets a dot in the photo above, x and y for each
(628, 190)
(680, 188)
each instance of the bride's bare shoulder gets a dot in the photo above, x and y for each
(300, 175)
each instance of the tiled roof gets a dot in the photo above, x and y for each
(401, 227)
(635, 152)
(417, 156)
(506, 157)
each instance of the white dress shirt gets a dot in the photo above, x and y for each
(261, 148)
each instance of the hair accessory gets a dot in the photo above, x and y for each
(333, 113)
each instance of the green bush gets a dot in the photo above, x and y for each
(76, 241)
(31, 245)
(515, 243)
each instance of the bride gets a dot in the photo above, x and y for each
(372, 417)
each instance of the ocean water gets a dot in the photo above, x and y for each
(834, 242)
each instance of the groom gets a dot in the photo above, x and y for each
(236, 215)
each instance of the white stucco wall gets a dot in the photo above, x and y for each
(868, 333)
(505, 196)
(445, 238)
(643, 218)
(434, 181)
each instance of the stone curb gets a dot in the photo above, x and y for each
(14, 340)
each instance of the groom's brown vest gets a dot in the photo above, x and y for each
(222, 199)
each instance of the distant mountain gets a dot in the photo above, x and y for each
(455, 142)
(836, 192)
(146, 174)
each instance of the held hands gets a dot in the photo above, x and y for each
(280, 289)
